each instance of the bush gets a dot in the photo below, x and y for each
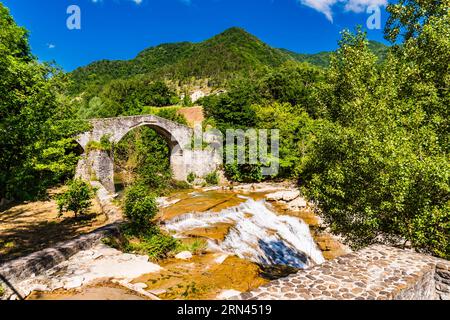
(157, 246)
(152, 242)
(212, 178)
(140, 207)
(76, 199)
(244, 172)
(198, 246)
(191, 177)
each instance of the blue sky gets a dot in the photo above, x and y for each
(120, 29)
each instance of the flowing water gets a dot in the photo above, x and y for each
(256, 233)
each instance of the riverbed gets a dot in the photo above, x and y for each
(248, 241)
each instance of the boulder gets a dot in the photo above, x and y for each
(185, 255)
(287, 195)
(297, 204)
(74, 282)
(140, 285)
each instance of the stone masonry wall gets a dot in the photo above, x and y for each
(97, 165)
(442, 278)
(377, 272)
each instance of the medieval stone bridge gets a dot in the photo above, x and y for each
(99, 164)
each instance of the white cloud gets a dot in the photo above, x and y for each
(51, 46)
(362, 5)
(323, 6)
(326, 6)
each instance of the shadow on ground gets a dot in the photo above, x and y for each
(23, 239)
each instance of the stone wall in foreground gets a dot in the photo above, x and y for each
(377, 272)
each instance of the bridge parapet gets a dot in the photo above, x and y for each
(377, 272)
(117, 128)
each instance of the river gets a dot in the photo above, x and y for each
(246, 242)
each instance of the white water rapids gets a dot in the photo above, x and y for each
(257, 234)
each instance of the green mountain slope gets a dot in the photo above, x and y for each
(322, 59)
(232, 52)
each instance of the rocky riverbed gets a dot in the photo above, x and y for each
(265, 231)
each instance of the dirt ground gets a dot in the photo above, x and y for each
(193, 115)
(32, 226)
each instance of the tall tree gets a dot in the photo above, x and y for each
(34, 134)
(408, 17)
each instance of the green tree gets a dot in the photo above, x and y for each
(377, 166)
(296, 133)
(36, 126)
(139, 207)
(76, 199)
(232, 109)
(408, 17)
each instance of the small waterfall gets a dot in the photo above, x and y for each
(258, 234)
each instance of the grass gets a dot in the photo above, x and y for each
(156, 244)
(198, 246)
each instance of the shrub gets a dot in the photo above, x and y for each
(212, 178)
(2, 290)
(77, 198)
(244, 172)
(140, 207)
(104, 144)
(191, 177)
(198, 246)
(157, 246)
(152, 242)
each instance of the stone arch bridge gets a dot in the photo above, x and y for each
(99, 164)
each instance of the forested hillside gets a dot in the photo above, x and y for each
(323, 59)
(223, 57)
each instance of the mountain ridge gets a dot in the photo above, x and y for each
(234, 51)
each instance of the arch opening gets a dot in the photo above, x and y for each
(144, 154)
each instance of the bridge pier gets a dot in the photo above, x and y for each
(97, 165)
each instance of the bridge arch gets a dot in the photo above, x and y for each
(99, 164)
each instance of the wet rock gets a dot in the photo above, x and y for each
(40, 288)
(140, 285)
(226, 294)
(215, 188)
(297, 204)
(157, 292)
(287, 195)
(221, 258)
(185, 255)
(73, 283)
(164, 202)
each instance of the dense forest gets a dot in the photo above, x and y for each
(364, 130)
(232, 53)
